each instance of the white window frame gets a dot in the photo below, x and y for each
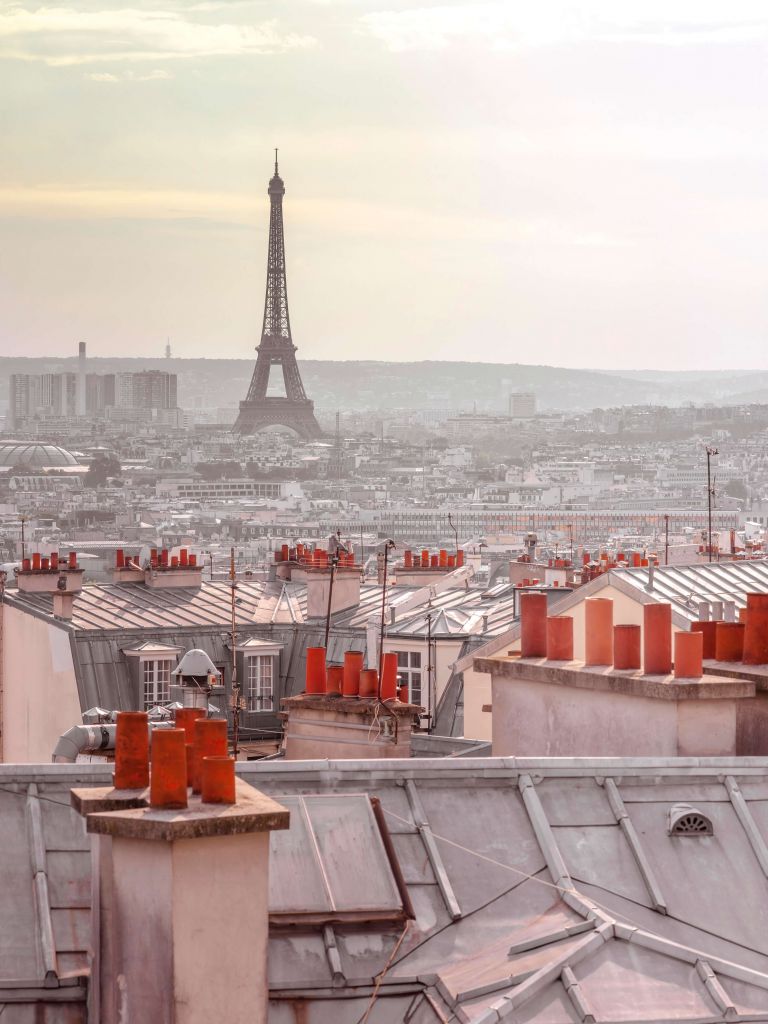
(156, 681)
(259, 684)
(410, 670)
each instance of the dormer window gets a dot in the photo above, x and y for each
(259, 673)
(156, 675)
(153, 663)
(259, 682)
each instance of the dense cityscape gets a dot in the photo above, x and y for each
(371, 691)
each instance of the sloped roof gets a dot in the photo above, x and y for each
(545, 891)
(43, 945)
(683, 586)
(131, 606)
(549, 891)
(687, 585)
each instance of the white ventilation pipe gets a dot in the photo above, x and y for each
(91, 739)
(82, 738)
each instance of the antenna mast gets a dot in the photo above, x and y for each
(237, 700)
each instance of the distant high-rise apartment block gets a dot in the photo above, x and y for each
(64, 395)
(42, 395)
(522, 405)
(99, 392)
(147, 389)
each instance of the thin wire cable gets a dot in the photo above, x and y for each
(552, 885)
(482, 856)
(374, 723)
(465, 917)
(523, 874)
(380, 976)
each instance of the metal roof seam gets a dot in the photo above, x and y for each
(747, 822)
(633, 840)
(40, 880)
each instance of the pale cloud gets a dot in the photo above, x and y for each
(384, 221)
(158, 75)
(504, 24)
(61, 36)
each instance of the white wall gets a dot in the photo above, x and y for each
(39, 689)
(446, 652)
(477, 692)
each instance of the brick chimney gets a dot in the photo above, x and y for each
(49, 574)
(167, 571)
(314, 569)
(421, 568)
(345, 713)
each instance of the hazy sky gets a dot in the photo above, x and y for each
(535, 181)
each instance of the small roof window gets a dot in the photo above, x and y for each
(331, 864)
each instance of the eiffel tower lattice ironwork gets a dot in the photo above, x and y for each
(259, 409)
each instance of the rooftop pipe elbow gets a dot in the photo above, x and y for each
(81, 738)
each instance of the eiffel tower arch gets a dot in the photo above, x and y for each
(259, 410)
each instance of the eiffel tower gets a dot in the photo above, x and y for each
(260, 410)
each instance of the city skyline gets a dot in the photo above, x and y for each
(464, 181)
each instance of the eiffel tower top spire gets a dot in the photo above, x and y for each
(277, 323)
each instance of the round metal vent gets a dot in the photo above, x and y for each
(685, 820)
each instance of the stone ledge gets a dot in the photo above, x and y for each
(253, 812)
(607, 679)
(757, 674)
(107, 798)
(347, 705)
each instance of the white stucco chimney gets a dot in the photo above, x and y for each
(179, 900)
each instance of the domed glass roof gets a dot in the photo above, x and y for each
(37, 456)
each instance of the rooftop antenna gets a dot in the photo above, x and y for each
(275, 159)
(167, 348)
(237, 700)
(455, 533)
(710, 494)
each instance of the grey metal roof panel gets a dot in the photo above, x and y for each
(686, 871)
(549, 1007)
(687, 585)
(19, 936)
(502, 835)
(332, 860)
(670, 989)
(128, 606)
(388, 1009)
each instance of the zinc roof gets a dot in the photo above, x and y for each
(545, 891)
(131, 606)
(687, 585)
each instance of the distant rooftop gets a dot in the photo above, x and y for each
(35, 456)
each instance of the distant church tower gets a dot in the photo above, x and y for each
(260, 410)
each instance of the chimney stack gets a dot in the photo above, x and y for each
(182, 867)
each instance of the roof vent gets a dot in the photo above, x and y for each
(685, 820)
